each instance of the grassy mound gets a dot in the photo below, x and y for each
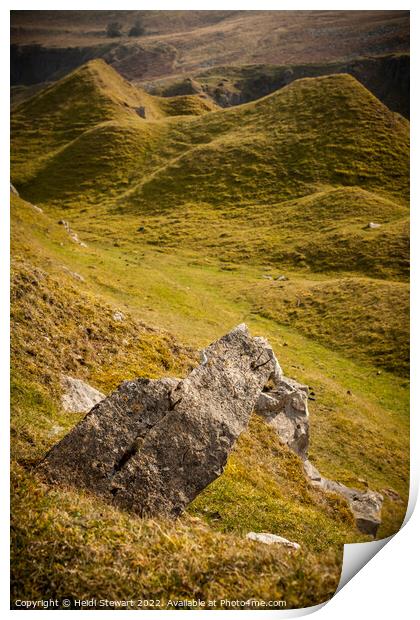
(325, 232)
(311, 135)
(61, 325)
(89, 96)
(188, 220)
(366, 317)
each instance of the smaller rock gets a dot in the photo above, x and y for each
(282, 278)
(37, 209)
(272, 539)
(285, 409)
(365, 505)
(56, 430)
(73, 274)
(78, 396)
(312, 472)
(267, 277)
(373, 225)
(140, 229)
(392, 495)
(73, 235)
(118, 316)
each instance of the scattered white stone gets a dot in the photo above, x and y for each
(373, 225)
(73, 274)
(272, 539)
(56, 430)
(72, 234)
(118, 316)
(37, 209)
(78, 396)
(13, 189)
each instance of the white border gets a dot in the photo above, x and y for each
(387, 586)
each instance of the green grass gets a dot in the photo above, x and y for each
(69, 545)
(61, 325)
(183, 216)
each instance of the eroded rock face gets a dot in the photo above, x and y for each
(285, 408)
(152, 446)
(366, 505)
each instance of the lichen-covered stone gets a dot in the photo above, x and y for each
(285, 408)
(152, 446)
(366, 505)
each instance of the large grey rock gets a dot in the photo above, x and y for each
(272, 539)
(366, 505)
(78, 396)
(152, 446)
(285, 408)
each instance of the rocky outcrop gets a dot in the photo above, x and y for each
(78, 396)
(285, 408)
(365, 505)
(153, 445)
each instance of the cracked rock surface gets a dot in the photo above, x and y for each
(285, 408)
(153, 445)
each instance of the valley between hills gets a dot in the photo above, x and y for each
(289, 213)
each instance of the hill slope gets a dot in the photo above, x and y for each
(62, 325)
(186, 222)
(62, 314)
(312, 134)
(90, 96)
(290, 181)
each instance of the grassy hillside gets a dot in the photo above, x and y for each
(289, 182)
(61, 324)
(56, 119)
(313, 135)
(188, 220)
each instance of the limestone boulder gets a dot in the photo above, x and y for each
(78, 396)
(365, 505)
(153, 445)
(285, 408)
(272, 539)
